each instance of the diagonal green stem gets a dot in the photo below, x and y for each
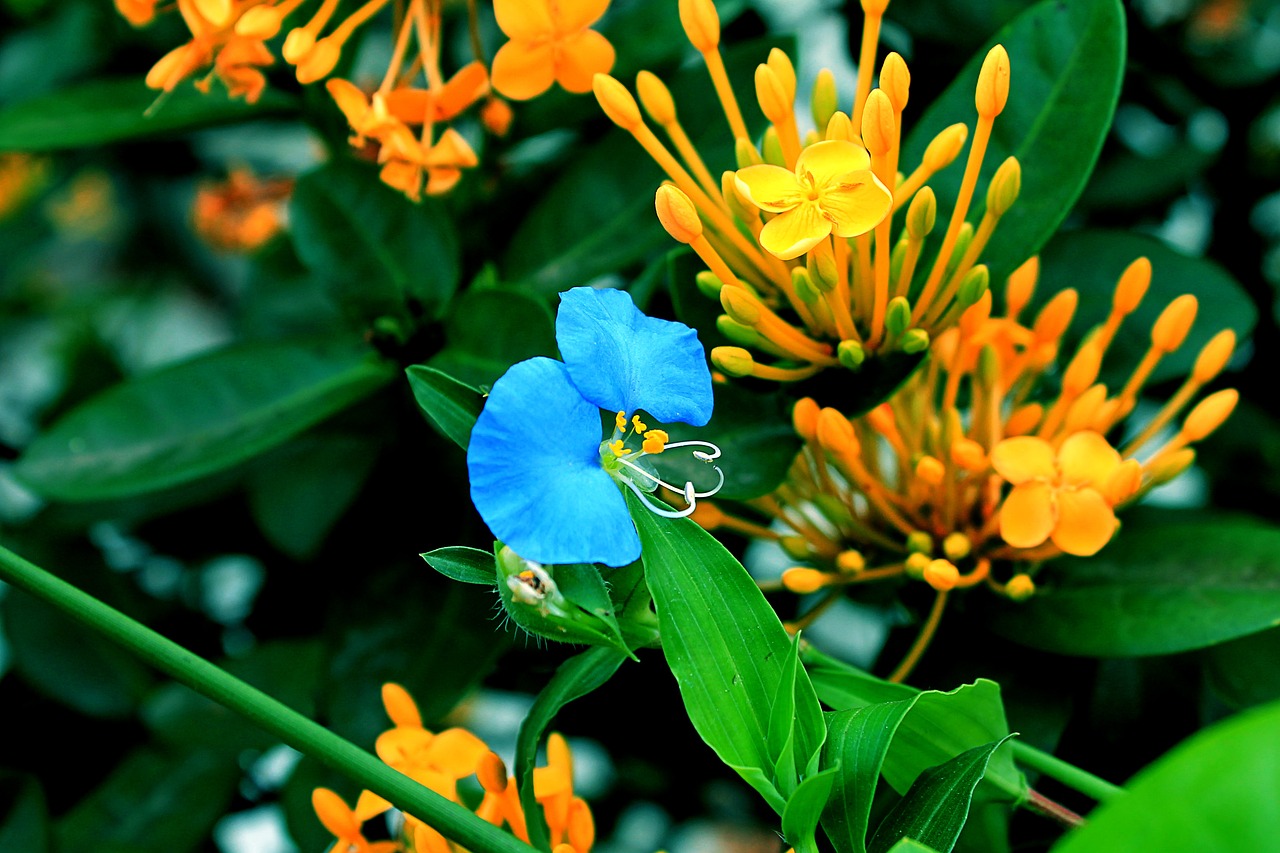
(1068, 774)
(450, 819)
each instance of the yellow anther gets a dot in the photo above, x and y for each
(492, 773)
(930, 470)
(941, 575)
(802, 580)
(1006, 183)
(677, 214)
(655, 441)
(993, 83)
(850, 562)
(701, 24)
(1171, 328)
(1209, 414)
(956, 546)
(618, 104)
(879, 125)
(915, 564)
(921, 214)
(945, 147)
(638, 425)
(1020, 587)
(804, 417)
(836, 434)
(895, 80)
(969, 455)
(734, 361)
(1214, 356)
(1021, 286)
(1132, 286)
(620, 420)
(772, 95)
(656, 98)
(1055, 316)
(618, 448)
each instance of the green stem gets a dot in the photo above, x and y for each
(1068, 774)
(450, 819)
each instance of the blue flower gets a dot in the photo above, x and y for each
(543, 476)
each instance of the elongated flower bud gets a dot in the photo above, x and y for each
(781, 65)
(1171, 328)
(1210, 413)
(1214, 356)
(922, 213)
(734, 361)
(992, 92)
(1132, 286)
(825, 99)
(804, 417)
(836, 434)
(701, 24)
(945, 147)
(1006, 183)
(656, 98)
(677, 214)
(895, 80)
(1021, 286)
(879, 127)
(618, 104)
(772, 95)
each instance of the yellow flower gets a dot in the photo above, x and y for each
(551, 41)
(831, 191)
(1064, 497)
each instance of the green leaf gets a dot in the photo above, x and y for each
(25, 825)
(934, 811)
(489, 330)
(575, 678)
(103, 111)
(1217, 792)
(724, 644)
(781, 733)
(1067, 59)
(153, 803)
(1170, 585)
(375, 247)
(910, 845)
(804, 808)
(1246, 671)
(857, 741)
(197, 418)
(939, 726)
(468, 565)
(1092, 261)
(449, 405)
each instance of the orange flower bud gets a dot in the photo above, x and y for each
(1083, 370)
(1209, 414)
(942, 575)
(1021, 286)
(1123, 482)
(678, 215)
(1132, 286)
(956, 546)
(930, 470)
(945, 147)
(881, 419)
(915, 564)
(1024, 420)
(1165, 467)
(216, 12)
(617, 103)
(850, 562)
(656, 98)
(1171, 328)
(836, 434)
(319, 61)
(803, 581)
(879, 125)
(701, 24)
(969, 455)
(895, 80)
(993, 83)
(1214, 356)
(707, 515)
(297, 45)
(496, 114)
(260, 22)
(1055, 316)
(804, 417)
(1084, 412)
(492, 773)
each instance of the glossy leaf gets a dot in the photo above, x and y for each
(197, 417)
(468, 565)
(1246, 671)
(910, 845)
(24, 815)
(491, 329)
(1217, 792)
(857, 741)
(804, 809)
(575, 678)
(724, 645)
(1067, 59)
(374, 246)
(104, 111)
(580, 612)
(451, 406)
(934, 811)
(1092, 262)
(1165, 586)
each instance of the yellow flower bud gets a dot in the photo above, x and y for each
(1214, 356)
(840, 127)
(1171, 328)
(821, 264)
(733, 361)
(804, 417)
(1123, 482)
(941, 575)
(772, 95)
(851, 562)
(895, 80)
(914, 341)
(879, 125)
(1132, 286)
(745, 154)
(1020, 587)
(1021, 286)
(930, 470)
(297, 45)
(740, 305)
(656, 98)
(709, 284)
(956, 546)
(803, 581)
(1086, 409)
(1006, 183)
(922, 213)
(216, 12)
(1055, 316)
(945, 147)
(836, 434)
(993, 83)
(617, 103)
(771, 147)
(971, 456)
(826, 98)
(1024, 420)
(701, 24)
(915, 564)
(260, 22)
(740, 207)
(319, 61)
(919, 542)
(1209, 414)
(1169, 466)
(678, 215)
(786, 72)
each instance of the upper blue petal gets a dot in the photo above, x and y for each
(536, 478)
(622, 360)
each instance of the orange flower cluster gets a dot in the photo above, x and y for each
(799, 240)
(241, 213)
(440, 761)
(994, 454)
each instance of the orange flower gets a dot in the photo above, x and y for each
(345, 823)
(551, 41)
(1067, 497)
(139, 13)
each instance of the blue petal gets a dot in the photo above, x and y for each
(536, 478)
(622, 360)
